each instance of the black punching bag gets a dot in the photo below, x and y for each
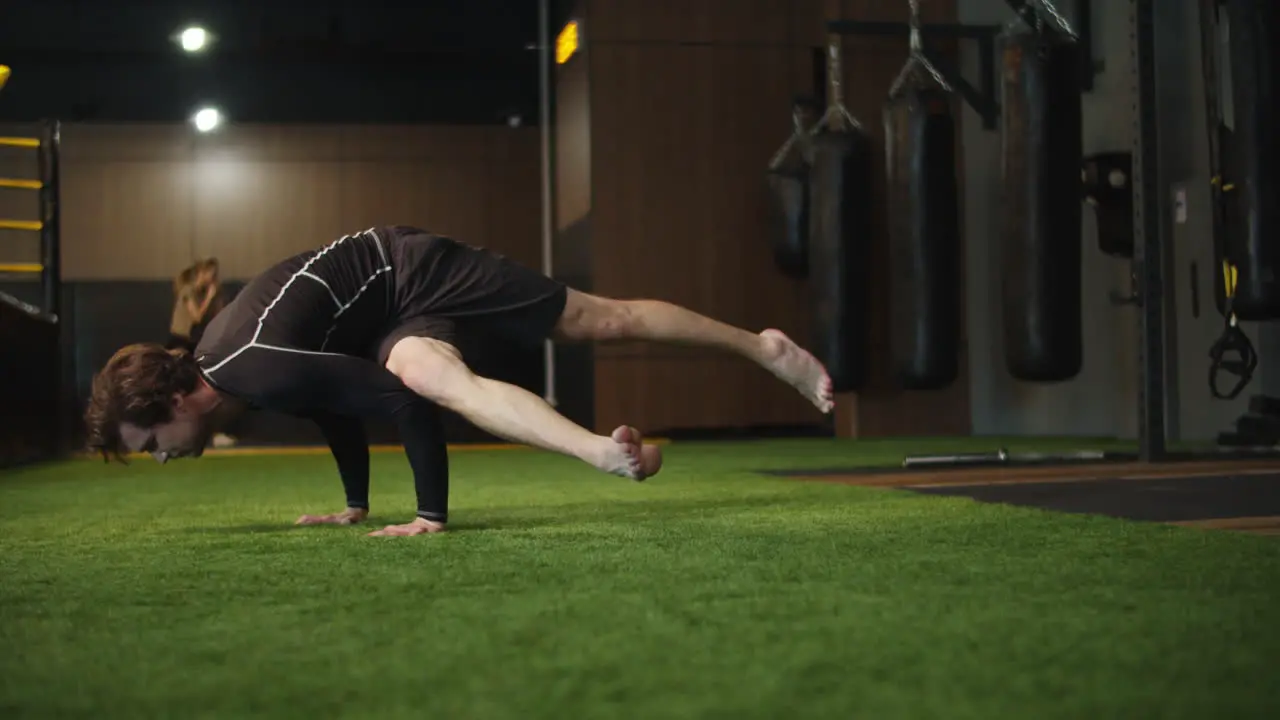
(839, 231)
(1252, 203)
(924, 238)
(1040, 236)
(788, 187)
(789, 218)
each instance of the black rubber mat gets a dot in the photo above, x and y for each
(970, 461)
(966, 464)
(1157, 500)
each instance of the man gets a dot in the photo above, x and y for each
(371, 325)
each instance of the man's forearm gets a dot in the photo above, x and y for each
(350, 448)
(422, 433)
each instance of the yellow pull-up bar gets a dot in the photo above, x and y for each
(15, 141)
(20, 184)
(21, 225)
(21, 268)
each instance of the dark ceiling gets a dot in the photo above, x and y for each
(431, 61)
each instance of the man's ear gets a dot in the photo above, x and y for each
(179, 401)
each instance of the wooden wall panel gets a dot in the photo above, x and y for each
(444, 197)
(683, 126)
(251, 214)
(126, 220)
(513, 183)
(679, 195)
(672, 22)
(141, 142)
(140, 201)
(573, 142)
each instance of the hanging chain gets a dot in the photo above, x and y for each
(836, 108)
(917, 60)
(1057, 17)
(917, 45)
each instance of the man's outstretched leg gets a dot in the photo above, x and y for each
(436, 371)
(590, 317)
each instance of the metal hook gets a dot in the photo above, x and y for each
(917, 59)
(916, 44)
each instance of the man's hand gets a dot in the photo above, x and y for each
(417, 527)
(350, 516)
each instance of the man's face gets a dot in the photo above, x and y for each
(185, 435)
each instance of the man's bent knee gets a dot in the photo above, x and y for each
(431, 368)
(591, 317)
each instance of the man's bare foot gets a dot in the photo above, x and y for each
(629, 457)
(419, 526)
(798, 368)
(350, 516)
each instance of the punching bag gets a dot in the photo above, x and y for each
(788, 190)
(924, 238)
(839, 229)
(789, 218)
(1251, 205)
(1042, 211)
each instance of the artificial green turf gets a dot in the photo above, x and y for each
(709, 591)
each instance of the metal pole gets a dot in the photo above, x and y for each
(50, 161)
(544, 126)
(50, 212)
(1148, 246)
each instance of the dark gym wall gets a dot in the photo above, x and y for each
(1103, 399)
(687, 102)
(141, 201)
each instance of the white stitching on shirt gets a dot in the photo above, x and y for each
(344, 308)
(320, 280)
(253, 342)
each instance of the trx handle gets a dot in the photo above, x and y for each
(1232, 353)
(1232, 341)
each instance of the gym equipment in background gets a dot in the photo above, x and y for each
(1042, 211)
(788, 180)
(840, 228)
(925, 259)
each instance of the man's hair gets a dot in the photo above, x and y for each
(136, 386)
